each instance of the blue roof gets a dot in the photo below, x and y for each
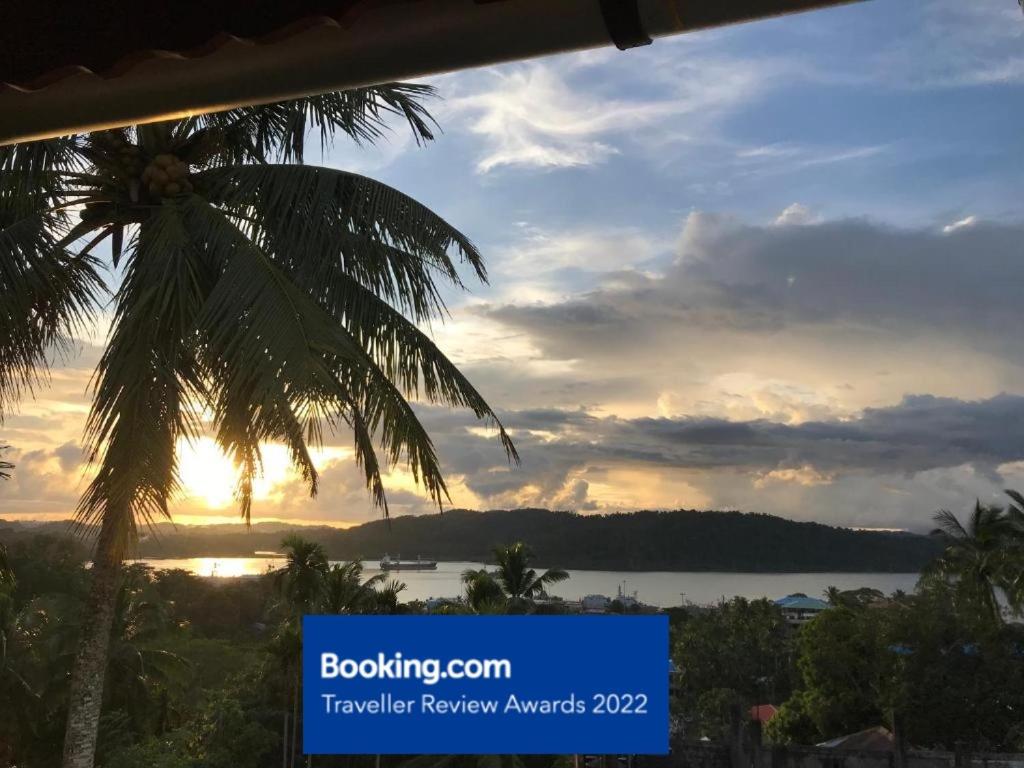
(801, 603)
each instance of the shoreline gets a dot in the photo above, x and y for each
(368, 563)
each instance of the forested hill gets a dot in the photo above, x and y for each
(642, 541)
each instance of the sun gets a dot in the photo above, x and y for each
(209, 477)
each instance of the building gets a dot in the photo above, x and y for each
(595, 604)
(798, 608)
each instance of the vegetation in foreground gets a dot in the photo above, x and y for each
(253, 297)
(204, 673)
(944, 665)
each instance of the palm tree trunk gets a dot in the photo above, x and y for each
(284, 738)
(86, 696)
(295, 721)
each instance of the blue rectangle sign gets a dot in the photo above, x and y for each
(485, 684)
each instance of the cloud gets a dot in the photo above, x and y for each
(796, 215)
(44, 482)
(955, 44)
(883, 464)
(580, 111)
(920, 433)
(530, 116)
(968, 221)
(70, 456)
(844, 314)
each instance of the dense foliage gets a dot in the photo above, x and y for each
(180, 647)
(943, 666)
(204, 671)
(917, 662)
(736, 654)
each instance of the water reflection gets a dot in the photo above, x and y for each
(656, 588)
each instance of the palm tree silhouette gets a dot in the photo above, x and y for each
(254, 297)
(483, 592)
(976, 555)
(5, 466)
(520, 582)
(300, 581)
(513, 586)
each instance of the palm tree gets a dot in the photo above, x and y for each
(301, 584)
(514, 582)
(483, 592)
(5, 466)
(520, 582)
(300, 581)
(385, 596)
(1014, 576)
(140, 673)
(253, 297)
(7, 578)
(344, 590)
(975, 555)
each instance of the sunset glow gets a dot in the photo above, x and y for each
(714, 282)
(210, 477)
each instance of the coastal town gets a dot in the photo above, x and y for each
(511, 384)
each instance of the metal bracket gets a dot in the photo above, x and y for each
(622, 18)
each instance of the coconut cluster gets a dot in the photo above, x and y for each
(166, 176)
(94, 212)
(127, 156)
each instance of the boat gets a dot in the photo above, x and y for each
(389, 563)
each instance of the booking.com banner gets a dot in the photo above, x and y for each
(485, 684)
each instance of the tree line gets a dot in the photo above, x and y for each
(943, 665)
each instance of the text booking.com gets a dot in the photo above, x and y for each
(429, 671)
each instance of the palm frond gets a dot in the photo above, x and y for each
(148, 380)
(355, 245)
(47, 292)
(280, 366)
(5, 466)
(554, 576)
(949, 526)
(1015, 511)
(35, 163)
(319, 220)
(271, 132)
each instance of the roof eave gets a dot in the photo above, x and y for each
(384, 42)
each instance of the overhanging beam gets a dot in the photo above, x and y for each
(125, 75)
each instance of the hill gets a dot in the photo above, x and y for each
(683, 540)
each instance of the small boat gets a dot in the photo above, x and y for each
(398, 564)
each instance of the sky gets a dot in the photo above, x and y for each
(774, 267)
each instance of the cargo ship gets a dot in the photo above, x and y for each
(398, 564)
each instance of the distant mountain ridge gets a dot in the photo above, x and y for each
(681, 540)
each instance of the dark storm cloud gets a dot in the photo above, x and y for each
(852, 274)
(920, 434)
